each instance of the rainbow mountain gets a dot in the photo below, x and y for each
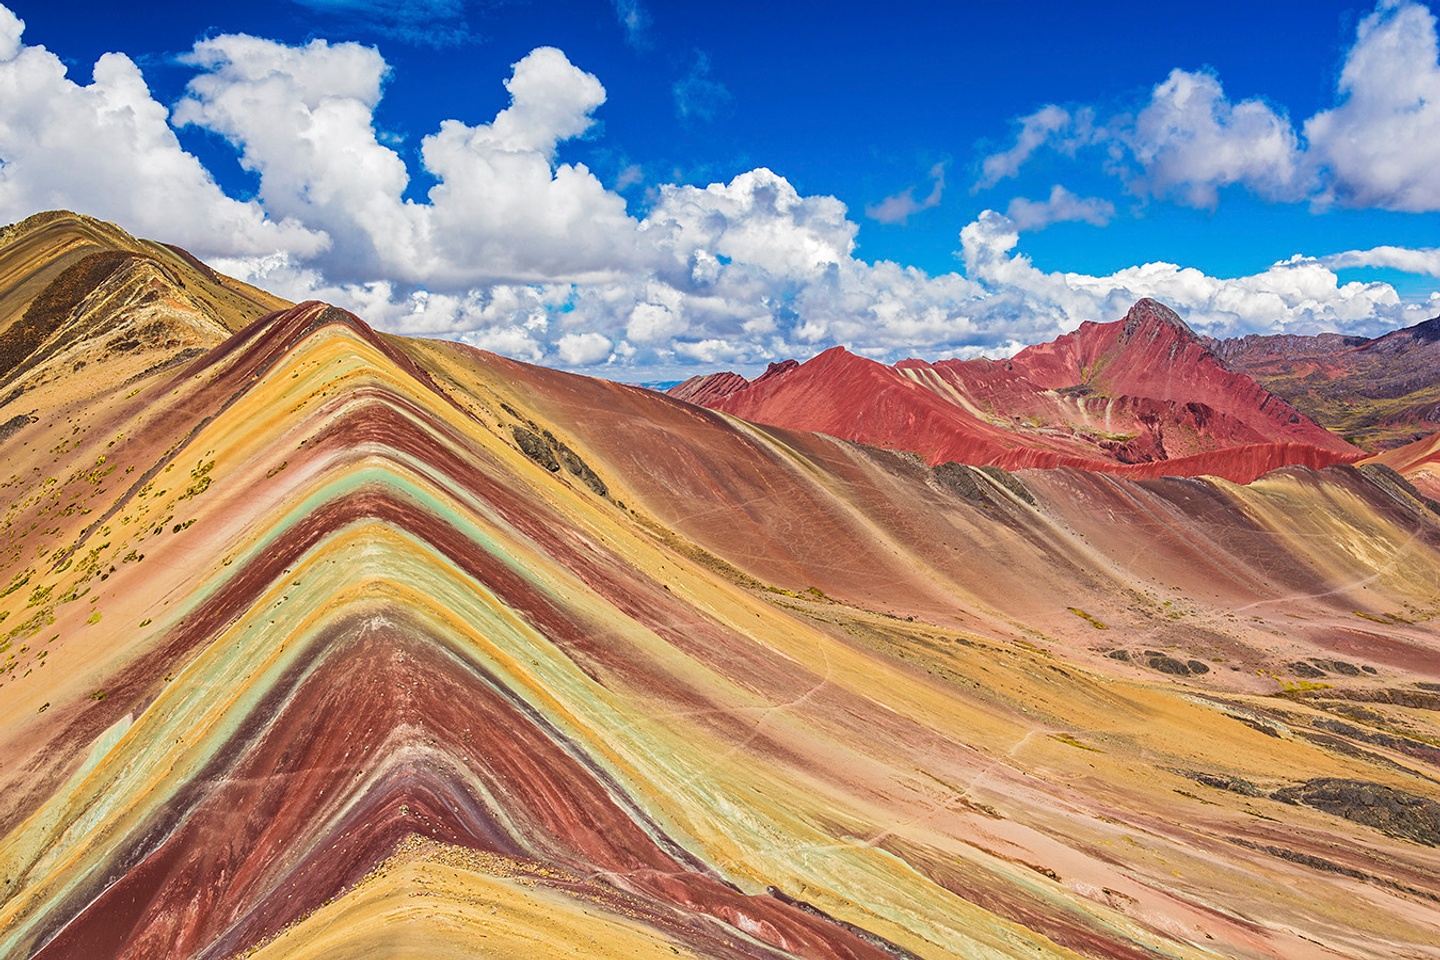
(319, 642)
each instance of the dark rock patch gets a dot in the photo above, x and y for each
(1354, 711)
(552, 454)
(1393, 483)
(536, 448)
(1397, 696)
(1168, 664)
(11, 426)
(1343, 746)
(53, 306)
(1414, 748)
(1220, 781)
(1394, 812)
(976, 484)
(962, 481)
(1337, 666)
(581, 469)
(1258, 726)
(1010, 482)
(1330, 866)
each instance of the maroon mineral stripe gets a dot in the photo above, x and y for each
(290, 819)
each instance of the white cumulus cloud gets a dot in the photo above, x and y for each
(900, 207)
(1060, 207)
(1424, 261)
(1190, 140)
(107, 148)
(1035, 131)
(583, 349)
(1381, 144)
(1298, 295)
(303, 119)
(514, 249)
(11, 29)
(1377, 147)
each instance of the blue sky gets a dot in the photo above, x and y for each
(850, 101)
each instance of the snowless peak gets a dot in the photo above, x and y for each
(776, 368)
(1148, 313)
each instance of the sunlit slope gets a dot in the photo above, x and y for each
(1301, 576)
(75, 291)
(339, 645)
(1249, 575)
(1139, 397)
(1419, 462)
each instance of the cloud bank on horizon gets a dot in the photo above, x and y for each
(513, 249)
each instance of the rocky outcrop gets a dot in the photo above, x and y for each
(1387, 809)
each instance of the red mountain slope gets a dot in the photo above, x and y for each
(707, 388)
(1142, 396)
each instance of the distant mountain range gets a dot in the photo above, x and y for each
(1140, 396)
(1377, 393)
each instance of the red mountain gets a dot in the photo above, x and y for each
(1379, 393)
(1142, 396)
(707, 389)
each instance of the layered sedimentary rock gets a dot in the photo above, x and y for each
(322, 643)
(706, 388)
(1140, 397)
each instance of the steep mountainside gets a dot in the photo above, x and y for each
(325, 644)
(1378, 393)
(1142, 396)
(1418, 461)
(74, 290)
(707, 388)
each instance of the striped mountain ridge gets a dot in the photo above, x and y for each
(327, 643)
(1418, 461)
(76, 289)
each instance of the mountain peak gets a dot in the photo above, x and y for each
(836, 358)
(1152, 314)
(707, 388)
(776, 368)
